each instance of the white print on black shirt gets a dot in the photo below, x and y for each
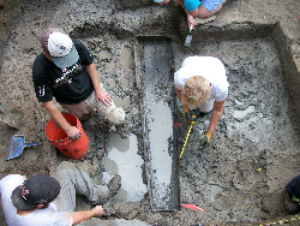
(67, 75)
(41, 91)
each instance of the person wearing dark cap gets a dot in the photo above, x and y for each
(43, 200)
(292, 196)
(65, 70)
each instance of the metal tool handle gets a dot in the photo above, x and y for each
(191, 28)
(30, 144)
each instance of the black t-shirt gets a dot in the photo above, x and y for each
(70, 85)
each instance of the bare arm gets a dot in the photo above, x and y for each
(216, 115)
(99, 92)
(178, 94)
(60, 120)
(182, 5)
(80, 216)
(190, 15)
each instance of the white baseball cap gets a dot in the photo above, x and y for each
(59, 47)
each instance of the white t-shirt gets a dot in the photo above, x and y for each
(208, 67)
(40, 217)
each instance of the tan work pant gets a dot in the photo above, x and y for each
(75, 181)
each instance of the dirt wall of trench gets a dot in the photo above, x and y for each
(289, 55)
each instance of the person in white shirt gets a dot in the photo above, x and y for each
(201, 83)
(43, 200)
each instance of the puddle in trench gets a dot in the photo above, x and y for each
(111, 66)
(125, 58)
(243, 114)
(161, 148)
(122, 158)
(119, 102)
(104, 55)
(160, 126)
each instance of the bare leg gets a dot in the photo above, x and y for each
(204, 13)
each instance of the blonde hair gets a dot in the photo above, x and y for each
(195, 91)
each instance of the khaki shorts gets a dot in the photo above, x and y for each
(89, 107)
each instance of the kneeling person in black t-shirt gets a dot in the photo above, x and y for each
(66, 71)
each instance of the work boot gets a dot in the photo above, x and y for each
(292, 207)
(114, 186)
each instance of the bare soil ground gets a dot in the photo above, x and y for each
(238, 178)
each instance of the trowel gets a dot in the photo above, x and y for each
(189, 37)
(198, 21)
(17, 144)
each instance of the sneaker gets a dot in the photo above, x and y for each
(291, 206)
(205, 20)
(114, 186)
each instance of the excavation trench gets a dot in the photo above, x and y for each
(233, 177)
(159, 140)
(161, 148)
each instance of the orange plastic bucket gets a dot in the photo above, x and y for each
(58, 137)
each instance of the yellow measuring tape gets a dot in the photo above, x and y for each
(187, 136)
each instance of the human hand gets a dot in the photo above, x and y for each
(103, 96)
(206, 138)
(98, 211)
(164, 2)
(74, 133)
(191, 22)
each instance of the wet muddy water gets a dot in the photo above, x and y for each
(122, 158)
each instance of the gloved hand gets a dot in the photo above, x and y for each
(206, 138)
(184, 110)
